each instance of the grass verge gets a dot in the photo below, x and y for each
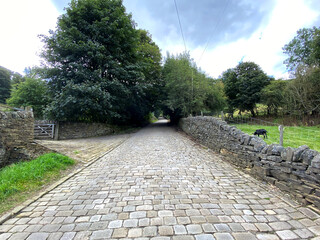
(293, 136)
(19, 181)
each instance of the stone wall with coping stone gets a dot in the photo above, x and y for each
(72, 130)
(293, 170)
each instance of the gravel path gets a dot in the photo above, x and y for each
(160, 185)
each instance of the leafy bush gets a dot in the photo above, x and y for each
(30, 93)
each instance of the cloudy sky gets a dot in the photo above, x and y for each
(218, 33)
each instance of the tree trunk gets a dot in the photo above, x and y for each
(268, 110)
(253, 113)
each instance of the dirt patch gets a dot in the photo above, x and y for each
(85, 149)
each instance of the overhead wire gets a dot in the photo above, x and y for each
(183, 38)
(185, 48)
(178, 15)
(216, 27)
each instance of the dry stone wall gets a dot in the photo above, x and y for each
(294, 170)
(17, 135)
(72, 130)
(16, 138)
(16, 132)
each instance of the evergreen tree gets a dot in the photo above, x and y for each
(93, 66)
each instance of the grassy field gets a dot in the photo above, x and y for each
(19, 181)
(293, 136)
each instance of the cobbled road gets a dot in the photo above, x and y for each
(161, 185)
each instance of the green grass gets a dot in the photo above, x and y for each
(17, 181)
(293, 136)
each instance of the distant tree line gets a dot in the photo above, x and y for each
(99, 68)
(247, 85)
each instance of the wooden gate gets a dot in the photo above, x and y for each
(44, 131)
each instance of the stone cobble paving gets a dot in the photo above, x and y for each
(160, 185)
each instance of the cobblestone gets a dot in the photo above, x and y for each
(286, 234)
(160, 185)
(38, 236)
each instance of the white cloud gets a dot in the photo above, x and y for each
(21, 22)
(264, 47)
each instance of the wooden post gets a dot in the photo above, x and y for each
(222, 116)
(56, 131)
(52, 131)
(281, 135)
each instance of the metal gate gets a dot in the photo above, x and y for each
(44, 131)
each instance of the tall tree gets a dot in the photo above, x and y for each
(302, 49)
(216, 99)
(177, 74)
(302, 93)
(150, 61)
(187, 89)
(93, 63)
(272, 95)
(243, 85)
(230, 81)
(316, 47)
(5, 84)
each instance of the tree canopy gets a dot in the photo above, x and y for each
(5, 84)
(150, 61)
(243, 85)
(302, 93)
(99, 67)
(303, 49)
(188, 90)
(273, 96)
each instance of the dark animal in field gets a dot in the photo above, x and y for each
(262, 132)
